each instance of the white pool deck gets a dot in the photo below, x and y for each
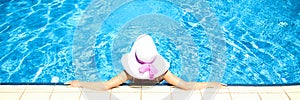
(60, 92)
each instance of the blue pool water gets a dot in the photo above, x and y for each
(248, 42)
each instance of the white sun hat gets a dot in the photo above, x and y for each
(144, 61)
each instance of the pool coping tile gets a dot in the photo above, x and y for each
(217, 96)
(215, 90)
(95, 95)
(245, 96)
(11, 95)
(156, 89)
(274, 96)
(156, 96)
(35, 96)
(294, 96)
(39, 88)
(128, 96)
(126, 89)
(12, 88)
(59, 88)
(186, 96)
(178, 90)
(292, 89)
(269, 89)
(65, 96)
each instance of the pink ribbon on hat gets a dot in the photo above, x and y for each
(147, 66)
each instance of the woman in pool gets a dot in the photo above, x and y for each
(143, 65)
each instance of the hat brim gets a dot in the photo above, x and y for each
(131, 66)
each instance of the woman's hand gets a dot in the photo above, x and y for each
(215, 84)
(74, 83)
(99, 86)
(202, 85)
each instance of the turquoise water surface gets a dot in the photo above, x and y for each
(248, 42)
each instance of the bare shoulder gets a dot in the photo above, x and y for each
(127, 75)
(168, 74)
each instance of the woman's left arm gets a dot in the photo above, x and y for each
(102, 86)
(176, 81)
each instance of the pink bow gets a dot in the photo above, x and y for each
(148, 67)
